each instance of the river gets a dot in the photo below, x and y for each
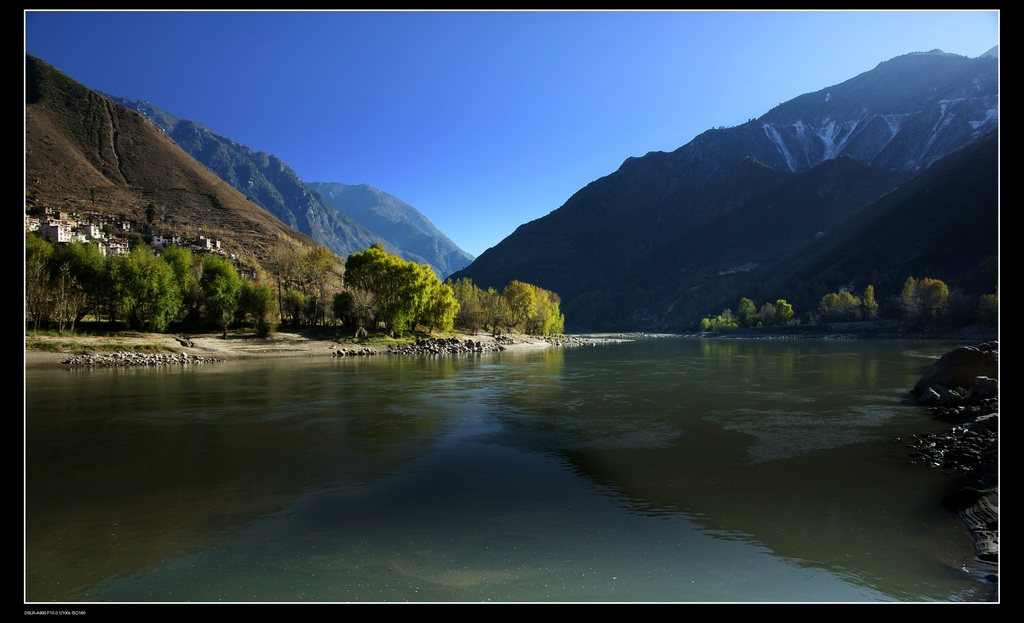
(658, 470)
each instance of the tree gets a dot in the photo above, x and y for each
(285, 264)
(767, 314)
(471, 314)
(911, 303)
(547, 317)
(988, 308)
(87, 267)
(145, 290)
(746, 312)
(925, 300)
(496, 313)
(519, 297)
(69, 298)
(38, 302)
(187, 270)
(321, 272)
(934, 296)
(294, 303)
(870, 304)
(355, 307)
(783, 311)
(221, 286)
(841, 305)
(400, 287)
(257, 303)
(440, 307)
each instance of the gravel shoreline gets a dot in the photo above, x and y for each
(160, 349)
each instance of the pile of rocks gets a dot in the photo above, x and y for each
(426, 346)
(963, 388)
(124, 359)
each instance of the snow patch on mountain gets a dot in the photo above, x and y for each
(776, 138)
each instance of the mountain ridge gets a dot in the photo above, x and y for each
(272, 183)
(86, 153)
(612, 224)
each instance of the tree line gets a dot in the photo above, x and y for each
(922, 303)
(67, 282)
(369, 291)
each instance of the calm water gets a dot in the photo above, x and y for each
(664, 469)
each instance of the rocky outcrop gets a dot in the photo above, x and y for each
(962, 387)
(957, 372)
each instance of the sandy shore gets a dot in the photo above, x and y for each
(214, 346)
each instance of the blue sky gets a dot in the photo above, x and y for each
(481, 120)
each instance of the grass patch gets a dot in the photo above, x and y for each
(51, 342)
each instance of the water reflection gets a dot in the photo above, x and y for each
(676, 470)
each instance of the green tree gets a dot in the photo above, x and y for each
(187, 270)
(38, 300)
(496, 312)
(783, 311)
(145, 290)
(934, 297)
(547, 316)
(988, 308)
(440, 307)
(746, 312)
(840, 306)
(870, 304)
(221, 287)
(400, 287)
(86, 267)
(294, 303)
(519, 298)
(471, 315)
(257, 303)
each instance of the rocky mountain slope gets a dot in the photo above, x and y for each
(412, 233)
(671, 236)
(346, 219)
(88, 154)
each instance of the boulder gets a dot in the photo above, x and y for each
(960, 367)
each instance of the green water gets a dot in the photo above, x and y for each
(663, 469)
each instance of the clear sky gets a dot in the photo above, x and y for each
(480, 120)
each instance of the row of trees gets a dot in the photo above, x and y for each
(922, 302)
(846, 306)
(371, 290)
(779, 313)
(383, 289)
(67, 282)
(520, 307)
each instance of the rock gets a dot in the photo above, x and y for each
(971, 447)
(984, 387)
(960, 367)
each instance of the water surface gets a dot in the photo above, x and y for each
(663, 469)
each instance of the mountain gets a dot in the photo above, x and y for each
(349, 221)
(672, 236)
(398, 223)
(89, 154)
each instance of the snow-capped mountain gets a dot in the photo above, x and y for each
(669, 220)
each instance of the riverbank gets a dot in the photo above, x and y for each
(47, 351)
